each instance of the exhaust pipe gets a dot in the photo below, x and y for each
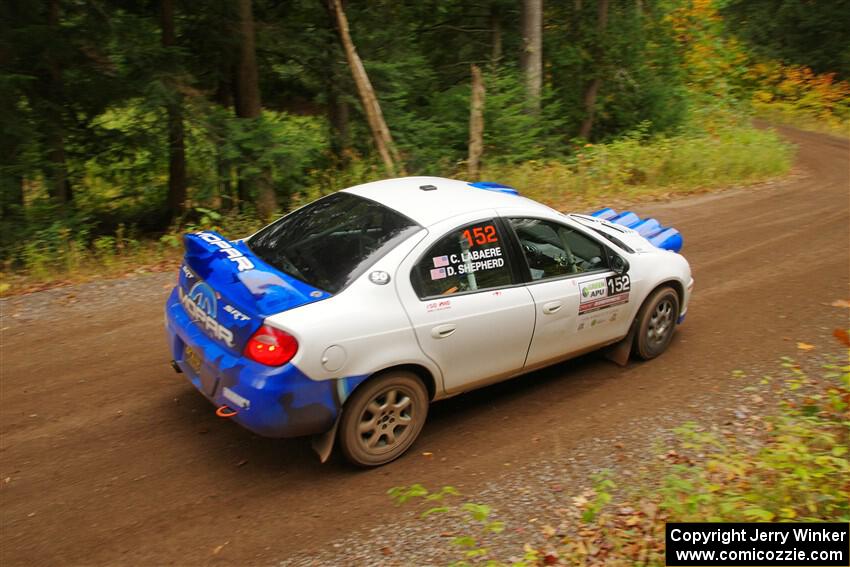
(176, 367)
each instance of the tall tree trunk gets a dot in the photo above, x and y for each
(592, 91)
(59, 186)
(337, 106)
(224, 97)
(176, 200)
(532, 52)
(496, 35)
(476, 124)
(11, 195)
(249, 105)
(338, 120)
(380, 132)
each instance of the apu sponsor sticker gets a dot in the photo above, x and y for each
(603, 293)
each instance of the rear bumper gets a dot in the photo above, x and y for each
(270, 401)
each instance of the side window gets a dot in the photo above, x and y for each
(552, 250)
(469, 258)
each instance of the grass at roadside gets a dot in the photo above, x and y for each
(788, 464)
(627, 169)
(789, 116)
(632, 168)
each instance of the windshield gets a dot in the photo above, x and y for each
(330, 242)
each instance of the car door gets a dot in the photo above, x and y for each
(579, 301)
(470, 313)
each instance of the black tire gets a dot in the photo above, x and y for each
(656, 322)
(383, 418)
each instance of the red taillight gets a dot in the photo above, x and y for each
(271, 346)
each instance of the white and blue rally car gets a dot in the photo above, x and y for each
(346, 318)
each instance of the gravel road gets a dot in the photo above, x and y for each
(108, 457)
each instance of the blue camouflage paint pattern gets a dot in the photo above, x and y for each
(281, 401)
(651, 229)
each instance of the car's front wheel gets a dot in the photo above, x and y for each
(657, 322)
(383, 418)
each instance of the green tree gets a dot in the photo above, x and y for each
(816, 35)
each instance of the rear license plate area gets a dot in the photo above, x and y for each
(193, 359)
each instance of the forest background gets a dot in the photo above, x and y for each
(128, 122)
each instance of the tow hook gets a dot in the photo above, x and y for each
(225, 411)
(176, 367)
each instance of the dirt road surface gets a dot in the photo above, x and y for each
(108, 457)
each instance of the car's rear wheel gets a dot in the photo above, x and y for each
(383, 418)
(657, 322)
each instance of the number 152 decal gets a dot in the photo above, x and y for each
(618, 284)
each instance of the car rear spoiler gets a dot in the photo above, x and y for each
(233, 270)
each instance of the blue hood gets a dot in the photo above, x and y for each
(659, 236)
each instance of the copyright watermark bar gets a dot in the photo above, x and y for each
(763, 544)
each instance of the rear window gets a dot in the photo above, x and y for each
(330, 242)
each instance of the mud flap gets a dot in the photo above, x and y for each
(619, 352)
(323, 443)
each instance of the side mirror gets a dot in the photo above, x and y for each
(619, 265)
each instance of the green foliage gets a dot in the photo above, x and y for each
(87, 94)
(798, 472)
(794, 467)
(513, 135)
(636, 57)
(286, 145)
(639, 164)
(475, 517)
(634, 165)
(793, 32)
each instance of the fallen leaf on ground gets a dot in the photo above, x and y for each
(217, 549)
(842, 336)
(805, 346)
(841, 303)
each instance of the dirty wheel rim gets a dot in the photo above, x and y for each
(660, 323)
(386, 421)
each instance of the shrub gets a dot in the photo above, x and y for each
(796, 95)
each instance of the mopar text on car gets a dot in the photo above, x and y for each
(346, 318)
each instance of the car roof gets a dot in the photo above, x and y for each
(451, 197)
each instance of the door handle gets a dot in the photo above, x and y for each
(552, 307)
(443, 331)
